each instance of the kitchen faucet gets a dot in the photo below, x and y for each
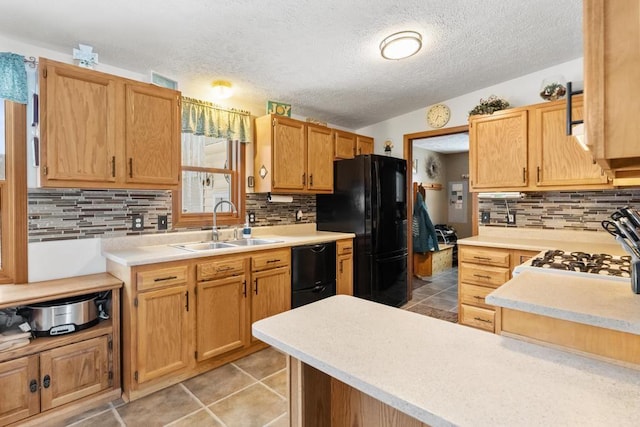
(214, 234)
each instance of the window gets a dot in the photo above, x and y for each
(13, 193)
(212, 171)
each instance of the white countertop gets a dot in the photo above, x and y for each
(598, 302)
(446, 374)
(139, 255)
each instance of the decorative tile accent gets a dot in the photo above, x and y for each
(568, 210)
(67, 214)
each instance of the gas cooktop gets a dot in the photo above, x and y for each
(581, 263)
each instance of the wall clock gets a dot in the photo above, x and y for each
(438, 115)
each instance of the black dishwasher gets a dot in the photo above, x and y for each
(313, 273)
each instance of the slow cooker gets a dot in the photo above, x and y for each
(63, 316)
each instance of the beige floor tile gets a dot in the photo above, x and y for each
(159, 408)
(282, 421)
(252, 407)
(199, 419)
(263, 363)
(105, 419)
(214, 385)
(278, 382)
(87, 414)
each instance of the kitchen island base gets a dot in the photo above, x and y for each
(317, 399)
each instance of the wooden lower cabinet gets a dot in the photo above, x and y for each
(163, 332)
(481, 270)
(184, 318)
(344, 267)
(19, 389)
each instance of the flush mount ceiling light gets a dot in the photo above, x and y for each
(401, 45)
(221, 89)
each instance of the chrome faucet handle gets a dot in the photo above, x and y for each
(214, 234)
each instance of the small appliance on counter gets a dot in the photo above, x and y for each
(66, 315)
(625, 227)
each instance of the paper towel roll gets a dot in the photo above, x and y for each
(273, 198)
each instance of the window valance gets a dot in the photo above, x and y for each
(205, 118)
(13, 77)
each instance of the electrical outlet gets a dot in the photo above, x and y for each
(299, 215)
(511, 218)
(252, 218)
(137, 222)
(485, 217)
(162, 222)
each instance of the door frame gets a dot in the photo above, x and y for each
(408, 156)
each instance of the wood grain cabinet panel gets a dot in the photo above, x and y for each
(345, 144)
(78, 124)
(344, 267)
(364, 145)
(74, 371)
(289, 154)
(320, 158)
(271, 293)
(17, 398)
(221, 321)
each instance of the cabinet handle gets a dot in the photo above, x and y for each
(244, 288)
(186, 294)
(130, 167)
(46, 381)
(340, 266)
(524, 175)
(538, 174)
(360, 150)
(304, 179)
(255, 284)
(483, 320)
(113, 166)
(162, 279)
(33, 386)
(484, 258)
(311, 180)
(482, 277)
(227, 268)
(478, 298)
(272, 261)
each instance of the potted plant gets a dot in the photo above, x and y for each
(489, 105)
(553, 91)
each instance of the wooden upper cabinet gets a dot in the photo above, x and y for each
(498, 150)
(364, 145)
(292, 156)
(320, 158)
(103, 131)
(611, 87)
(345, 144)
(559, 159)
(78, 124)
(152, 142)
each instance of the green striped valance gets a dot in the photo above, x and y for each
(205, 118)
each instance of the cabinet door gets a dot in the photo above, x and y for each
(289, 154)
(78, 124)
(74, 371)
(163, 332)
(19, 389)
(270, 293)
(560, 160)
(498, 150)
(345, 145)
(320, 159)
(364, 145)
(152, 134)
(221, 316)
(344, 275)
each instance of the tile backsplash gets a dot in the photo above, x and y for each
(568, 210)
(67, 214)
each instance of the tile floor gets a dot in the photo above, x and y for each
(248, 392)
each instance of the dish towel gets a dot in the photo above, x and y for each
(425, 238)
(13, 77)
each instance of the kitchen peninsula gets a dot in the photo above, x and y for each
(352, 359)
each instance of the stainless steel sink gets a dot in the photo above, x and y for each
(252, 242)
(203, 246)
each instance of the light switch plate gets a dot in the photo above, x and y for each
(162, 222)
(485, 217)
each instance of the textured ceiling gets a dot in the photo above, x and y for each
(320, 56)
(446, 144)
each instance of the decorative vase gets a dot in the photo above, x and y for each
(553, 88)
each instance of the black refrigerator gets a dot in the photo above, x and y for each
(369, 199)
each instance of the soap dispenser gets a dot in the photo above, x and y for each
(246, 230)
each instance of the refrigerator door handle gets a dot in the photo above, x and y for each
(376, 212)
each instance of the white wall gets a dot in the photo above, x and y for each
(520, 91)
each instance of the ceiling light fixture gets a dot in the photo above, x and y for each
(222, 89)
(401, 45)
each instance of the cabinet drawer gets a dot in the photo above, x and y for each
(474, 295)
(344, 247)
(483, 275)
(218, 269)
(161, 277)
(270, 259)
(480, 318)
(495, 257)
